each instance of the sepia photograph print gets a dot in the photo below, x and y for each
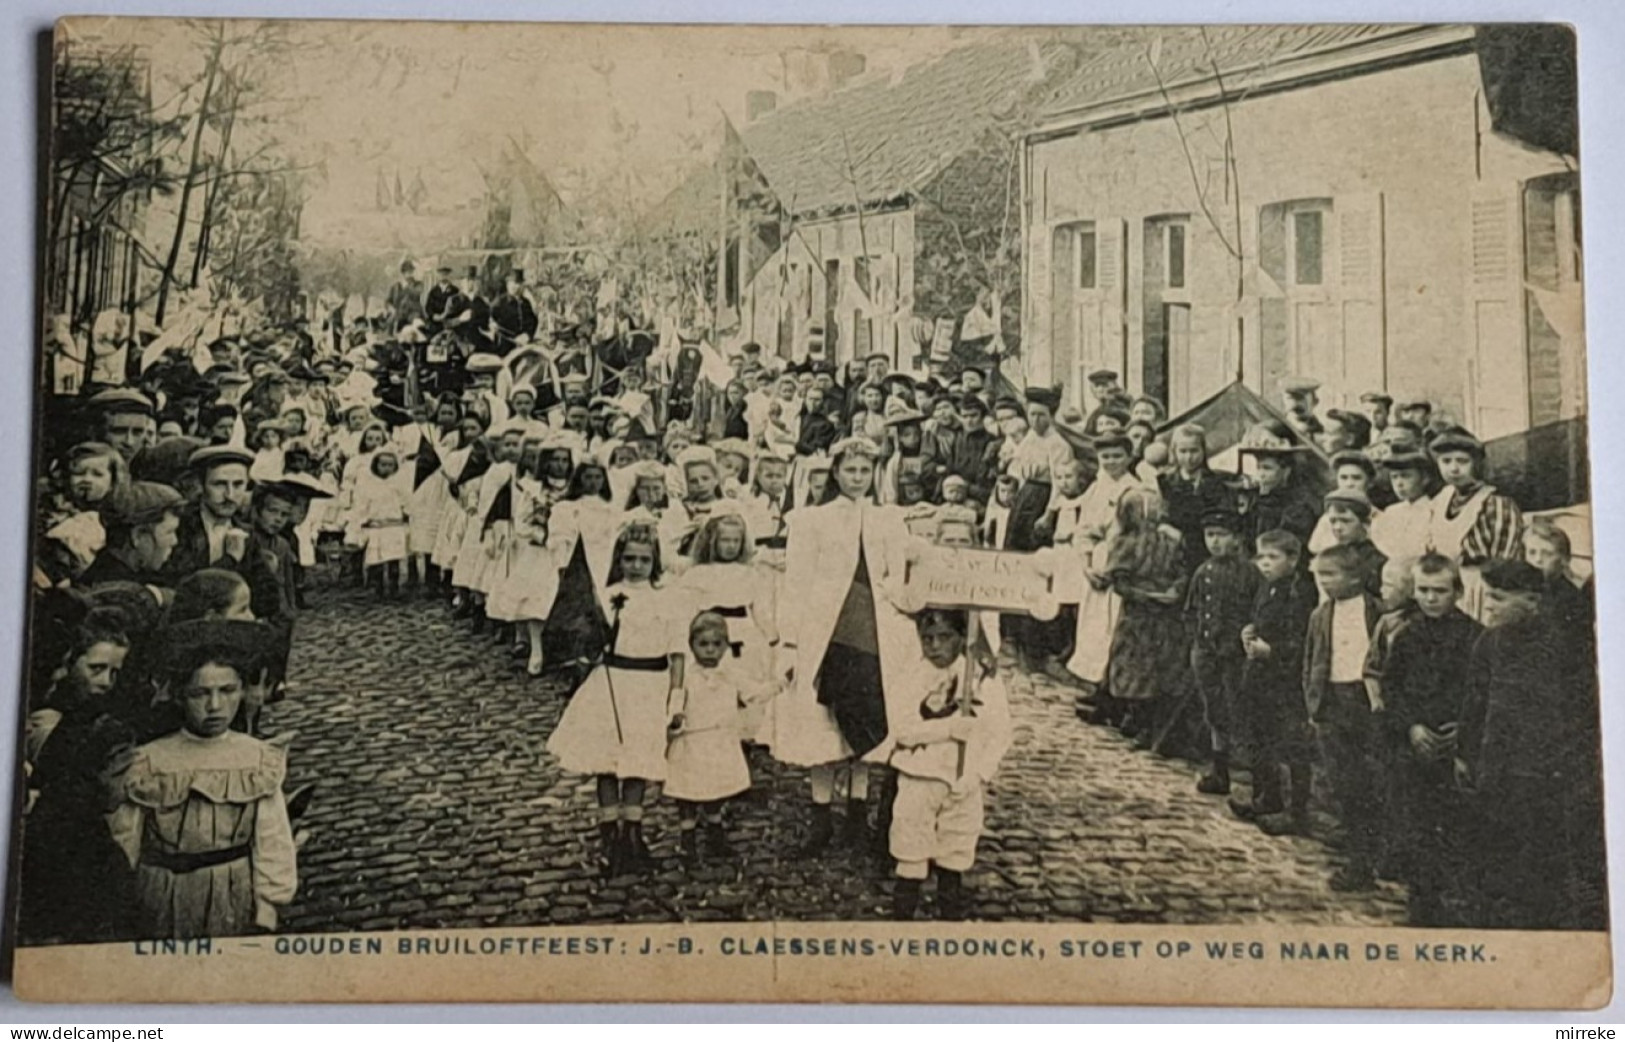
(1053, 514)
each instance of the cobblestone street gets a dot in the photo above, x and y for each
(438, 806)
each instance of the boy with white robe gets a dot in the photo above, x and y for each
(951, 729)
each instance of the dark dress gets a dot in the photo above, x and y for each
(76, 886)
(1187, 501)
(1529, 735)
(1149, 648)
(1291, 508)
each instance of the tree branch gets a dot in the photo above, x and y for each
(1190, 160)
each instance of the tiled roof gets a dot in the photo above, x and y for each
(899, 133)
(1187, 54)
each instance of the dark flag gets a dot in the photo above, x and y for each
(849, 679)
(428, 461)
(577, 632)
(501, 508)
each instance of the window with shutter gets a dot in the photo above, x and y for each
(1496, 380)
(1554, 324)
(1063, 303)
(1361, 246)
(1109, 347)
(1165, 311)
(1308, 243)
(1086, 253)
(1087, 286)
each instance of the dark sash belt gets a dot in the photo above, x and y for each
(773, 542)
(174, 861)
(656, 664)
(737, 612)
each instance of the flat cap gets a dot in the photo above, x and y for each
(1409, 459)
(1351, 500)
(122, 399)
(1456, 441)
(214, 455)
(1219, 517)
(141, 503)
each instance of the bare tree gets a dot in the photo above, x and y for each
(235, 56)
(1223, 216)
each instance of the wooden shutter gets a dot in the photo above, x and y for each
(1273, 322)
(1112, 280)
(1360, 249)
(1497, 384)
(1061, 311)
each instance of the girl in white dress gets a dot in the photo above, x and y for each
(725, 581)
(380, 514)
(200, 813)
(649, 494)
(527, 593)
(615, 726)
(268, 451)
(704, 761)
(485, 540)
(733, 462)
(374, 437)
(841, 632)
(1098, 603)
(680, 524)
(589, 516)
(461, 467)
(430, 489)
(1402, 531)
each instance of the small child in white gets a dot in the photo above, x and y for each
(705, 764)
(951, 729)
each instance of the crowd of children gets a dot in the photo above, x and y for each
(709, 583)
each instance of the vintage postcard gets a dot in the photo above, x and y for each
(938, 514)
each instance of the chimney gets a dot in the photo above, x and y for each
(844, 67)
(759, 103)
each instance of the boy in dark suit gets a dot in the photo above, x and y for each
(1335, 650)
(1423, 686)
(1528, 754)
(1218, 606)
(1270, 706)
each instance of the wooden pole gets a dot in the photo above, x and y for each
(723, 174)
(973, 627)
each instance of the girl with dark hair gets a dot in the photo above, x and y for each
(75, 887)
(200, 813)
(461, 467)
(431, 489)
(615, 726)
(588, 516)
(531, 586)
